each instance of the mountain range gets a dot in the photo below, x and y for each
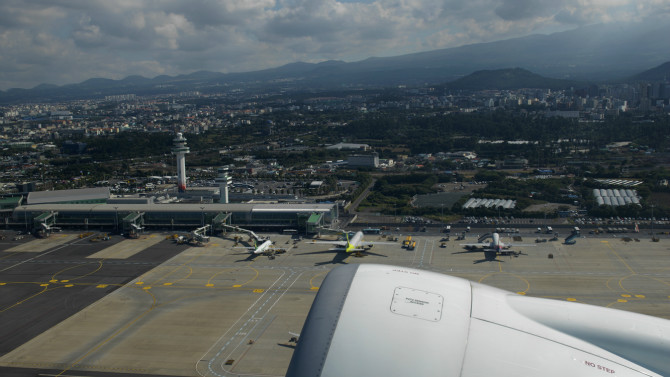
(593, 53)
(508, 79)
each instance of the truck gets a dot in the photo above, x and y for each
(407, 241)
(411, 246)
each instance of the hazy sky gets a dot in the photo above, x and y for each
(68, 41)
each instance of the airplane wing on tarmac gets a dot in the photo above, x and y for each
(477, 245)
(380, 320)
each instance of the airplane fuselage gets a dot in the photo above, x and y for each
(263, 247)
(496, 244)
(354, 242)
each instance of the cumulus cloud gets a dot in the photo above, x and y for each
(72, 40)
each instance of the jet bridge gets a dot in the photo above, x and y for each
(484, 237)
(43, 224)
(199, 236)
(571, 239)
(220, 221)
(133, 224)
(233, 228)
(314, 223)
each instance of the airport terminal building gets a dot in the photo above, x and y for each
(94, 209)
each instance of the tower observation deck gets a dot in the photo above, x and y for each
(180, 149)
(223, 180)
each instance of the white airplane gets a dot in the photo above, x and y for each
(266, 247)
(381, 320)
(262, 248)
(495, 245)
(353, 244)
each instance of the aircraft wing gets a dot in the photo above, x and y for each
(380, 320)
(366, 243)
(336, 243)
(521, 245)
(244, 247)
(478, 245)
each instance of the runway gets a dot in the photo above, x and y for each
(173, 310)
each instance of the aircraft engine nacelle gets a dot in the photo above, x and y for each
(380, 320)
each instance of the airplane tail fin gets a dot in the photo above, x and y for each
(346, 235)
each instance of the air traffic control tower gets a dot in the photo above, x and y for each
(223, 180)
(180, 149)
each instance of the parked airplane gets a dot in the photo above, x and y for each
(495, 245)
(265, 248)
(353, 244)
(262, 248)
(374, 320)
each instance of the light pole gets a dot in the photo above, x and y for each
(116, 219)
(202, 215)
(652, 223)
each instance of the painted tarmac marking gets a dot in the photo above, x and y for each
(190, 272)
(187, 263)
(258, 320)
(311, 283)
(209, 281)
(46, 289)
(114, 335)
(619, 257)
(35, 257)
(250, 324)
(211, 361)
(53, 277)
(252, 279)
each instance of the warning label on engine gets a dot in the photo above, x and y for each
(417, 303)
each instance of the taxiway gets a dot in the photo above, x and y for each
(152, 307)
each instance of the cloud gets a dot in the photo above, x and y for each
(72, 40)
(512, 10)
